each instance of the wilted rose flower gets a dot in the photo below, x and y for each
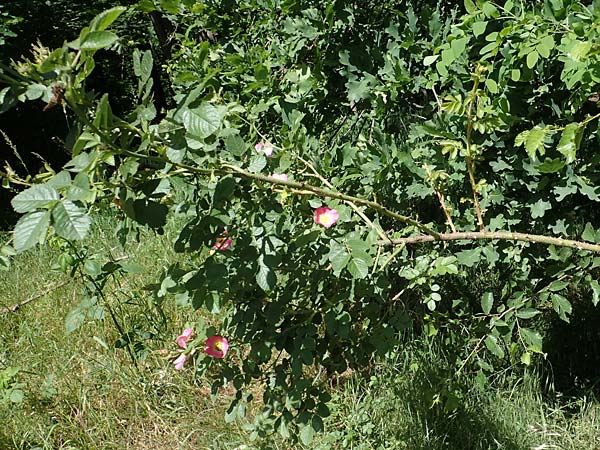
(180, 361)
(222, 243)
(184, 337)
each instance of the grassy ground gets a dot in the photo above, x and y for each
(76, 391)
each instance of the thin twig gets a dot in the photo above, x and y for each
(16, 306)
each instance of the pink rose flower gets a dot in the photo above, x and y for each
(216, 346)
(264, 147)
(326, 216)
(180, 361)
(184, 337)
(222, 244)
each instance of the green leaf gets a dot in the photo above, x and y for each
(533, 140)
(74, 319)
(487, 301)
(96, 40)
(550, 166)
(515, 74)
(527, 313)
(595, 292)
(236, 145)
(469, 257)
(539, 208)
(470, 6)
(532, 58)
(36, 197)
(105, 19)
(307, 434)
(532, 339)
(570, 141)
(31, 229)
(428, 60)
(490, 10)
(358, 267)
(545, 46)
(265, 277)
(491, 85)
(202, 121)
(338, 256)
(492, 344)
(70, 221)
(479, 28)
(589, 234)
(562, 306)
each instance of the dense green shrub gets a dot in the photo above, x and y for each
(438, 164)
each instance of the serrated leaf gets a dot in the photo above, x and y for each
(487, 301)
(562, 306)
(36, 197)
(570, 140)
(533, 140)
(202, 121)
(492, 344)
(532, 339)
(31, 229)
(105, 19)
(96, 40)
(306, 434)
(338, 256)
(358, 268)
(527, 313)
(265, 277)
(70, 221)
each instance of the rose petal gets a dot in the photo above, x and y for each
(184, 337)
(180, 361)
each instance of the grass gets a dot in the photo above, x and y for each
(80, 392)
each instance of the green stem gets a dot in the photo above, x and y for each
(496, 236)
(469, 157)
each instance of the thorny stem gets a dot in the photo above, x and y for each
(469, 157)
(428, 236)
(496, 236)
(441, 199)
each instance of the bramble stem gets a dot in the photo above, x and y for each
(493, 236)
(469, 157)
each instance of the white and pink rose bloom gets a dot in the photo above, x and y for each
(264, 147)
(326, 217)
